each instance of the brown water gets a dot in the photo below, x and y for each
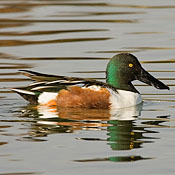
(77, 38)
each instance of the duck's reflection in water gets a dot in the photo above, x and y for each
(123, 130)
(85, 119)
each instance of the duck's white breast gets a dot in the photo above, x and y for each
(123, 99)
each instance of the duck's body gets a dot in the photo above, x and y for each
(83, 94)
(90, 97)
(72, 92)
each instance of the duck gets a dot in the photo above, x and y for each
(75, 92)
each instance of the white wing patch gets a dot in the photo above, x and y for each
(65, 81)
(36, 83)
(40, 87)
(93, 87)
(45, 97)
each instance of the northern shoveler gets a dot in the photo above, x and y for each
(74, 92)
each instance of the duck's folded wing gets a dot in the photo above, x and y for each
(54, 80)
(54, 83)
(46, 77)
(51, 84)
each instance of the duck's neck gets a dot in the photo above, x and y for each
(120, 83)
(116, 78)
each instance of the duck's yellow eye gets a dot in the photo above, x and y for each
(130, 65)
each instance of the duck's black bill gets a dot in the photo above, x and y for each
(147, 78)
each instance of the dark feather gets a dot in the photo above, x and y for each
(33, 99)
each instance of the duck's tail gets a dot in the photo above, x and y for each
(27, 95)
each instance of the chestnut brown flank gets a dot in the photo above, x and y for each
(76, 97)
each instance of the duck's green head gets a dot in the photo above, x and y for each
(124, 68)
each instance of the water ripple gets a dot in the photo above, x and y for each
(6, 20)
(5, 43)
(48, 32)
